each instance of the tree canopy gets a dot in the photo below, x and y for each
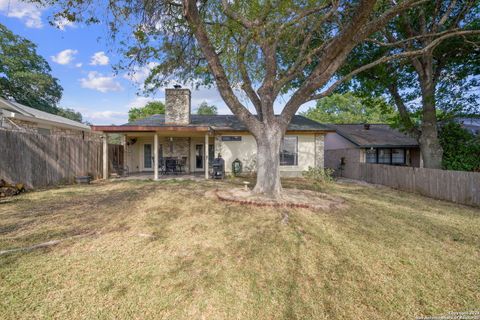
(444, 77)
(25, 75)
(264, 48)
(151, 108)
(69, 114)
(461, 149)
(349, 108)
(206, 109)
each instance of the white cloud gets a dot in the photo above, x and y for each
(139, 74)
(99, 59)
(78, 65)
(99, 82)
(64, 57)
(29, 13)
(63, 23)
(140, 102)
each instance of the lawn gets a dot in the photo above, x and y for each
(163, 250)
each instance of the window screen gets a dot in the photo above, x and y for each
(398, 156)
(289, 151)
(384, 156)
(371, 156)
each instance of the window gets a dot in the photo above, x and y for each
(147, 155)
(384, 156)
(43, 131)
(199, 156)
(371, 156)
(398, 156)
(231, 138)
(289, 151)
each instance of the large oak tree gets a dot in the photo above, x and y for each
(443, 78)
(260, 48)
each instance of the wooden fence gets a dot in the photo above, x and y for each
(456, 186)
(38, 160)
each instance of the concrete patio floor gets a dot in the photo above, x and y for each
(149, 176)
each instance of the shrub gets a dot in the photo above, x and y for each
(319, 177)
(461, 149)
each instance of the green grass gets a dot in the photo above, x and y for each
(163, 250)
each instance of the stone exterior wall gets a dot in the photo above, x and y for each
(177, 106)
(319, 150)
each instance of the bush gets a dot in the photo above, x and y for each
(319, 177)
(461, 149)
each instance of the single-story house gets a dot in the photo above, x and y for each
(195, 140)
(352, 144)
(16, 116)
(472, 124)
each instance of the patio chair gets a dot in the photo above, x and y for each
(162, 166)
(171, 165)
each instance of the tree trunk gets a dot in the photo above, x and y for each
(430, 147)
(268, 163)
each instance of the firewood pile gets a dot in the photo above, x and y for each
(9, 190)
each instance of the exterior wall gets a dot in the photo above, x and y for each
(334, 141)
(46, 129)
(177, 106)
(352, 158)
(135, 153)
(415, 157)
(310, 153)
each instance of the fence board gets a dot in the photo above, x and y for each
(456, 186)
(38, 160)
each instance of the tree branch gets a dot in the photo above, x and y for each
(247, 24)
(384, 59)
(247, 83)
(192, 16)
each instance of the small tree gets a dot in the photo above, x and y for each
(151, 108)
(205, 109)
(25, 75)
(348, 108)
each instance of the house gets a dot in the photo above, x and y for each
(16, 116)
(471, 124)
(352, 144)
(195, 140)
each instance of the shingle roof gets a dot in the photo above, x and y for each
(227, 122)
(40, 115)
(378, 135)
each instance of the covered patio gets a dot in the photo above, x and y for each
(160, 152)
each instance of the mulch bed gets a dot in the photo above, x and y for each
(292, 198)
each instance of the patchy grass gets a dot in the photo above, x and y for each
(162, 250)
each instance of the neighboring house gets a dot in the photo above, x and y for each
(17, 116)
(471, 124)
(352, 144)
(196, 140)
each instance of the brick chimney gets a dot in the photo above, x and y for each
(177, 106)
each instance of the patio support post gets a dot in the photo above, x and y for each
(206, 156)
(155, 156)
(105, 156)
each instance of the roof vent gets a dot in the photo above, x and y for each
(177, 86)
(366, 126)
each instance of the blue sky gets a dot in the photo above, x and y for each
(81, 58)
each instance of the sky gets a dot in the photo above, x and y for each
(81, 57)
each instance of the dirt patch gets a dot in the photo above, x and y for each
(293, 198)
